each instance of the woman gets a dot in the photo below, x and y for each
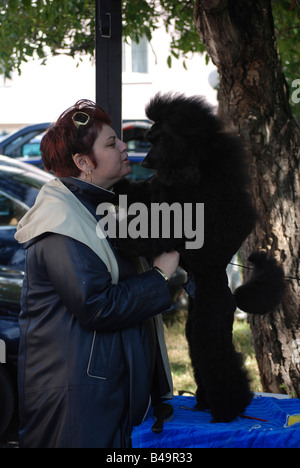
(91, 353)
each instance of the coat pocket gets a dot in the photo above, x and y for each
(101, 355)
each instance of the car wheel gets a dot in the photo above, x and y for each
(7, 399)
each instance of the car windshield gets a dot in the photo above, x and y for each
(21, 184)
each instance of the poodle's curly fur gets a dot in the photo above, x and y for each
(197, 161)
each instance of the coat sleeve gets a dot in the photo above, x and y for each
(84, 285)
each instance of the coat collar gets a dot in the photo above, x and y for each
(87, 192)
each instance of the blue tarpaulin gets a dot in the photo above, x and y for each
(277, 425)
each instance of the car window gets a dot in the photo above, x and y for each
(20, 185)
(11, 211)
(138, 172)
(32, 147)
(14, 149)
(134, 134)
(138, 146)
(24, 145)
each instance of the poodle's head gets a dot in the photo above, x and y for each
(182, 137)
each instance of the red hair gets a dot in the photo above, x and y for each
(63, 139)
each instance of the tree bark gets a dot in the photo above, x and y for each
(254, 101)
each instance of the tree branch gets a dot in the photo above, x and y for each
(214, 25)
(212, 6)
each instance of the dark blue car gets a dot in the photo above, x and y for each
(19, 186)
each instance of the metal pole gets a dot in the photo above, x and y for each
(109, 59)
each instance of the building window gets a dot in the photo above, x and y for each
(139, 56)
(136, 56)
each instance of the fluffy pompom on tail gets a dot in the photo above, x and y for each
(264, 291)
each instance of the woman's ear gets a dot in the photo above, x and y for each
(83, 162)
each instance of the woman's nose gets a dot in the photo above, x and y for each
(123, 146)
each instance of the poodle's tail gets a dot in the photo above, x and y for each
(264, 291)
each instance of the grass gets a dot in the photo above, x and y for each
(242, 340)
(180, 362)
(181, 368)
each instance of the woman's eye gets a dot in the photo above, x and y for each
(112, 144)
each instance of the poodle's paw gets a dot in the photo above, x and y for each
(231, 409)
(201, 402)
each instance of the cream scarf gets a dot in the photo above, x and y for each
(57, 210)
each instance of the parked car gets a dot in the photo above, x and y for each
(24, 144)
(19, 185)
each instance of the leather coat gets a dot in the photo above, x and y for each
(89, 356)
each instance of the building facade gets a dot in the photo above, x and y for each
(42, 92)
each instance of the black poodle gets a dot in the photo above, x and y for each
(196, 161)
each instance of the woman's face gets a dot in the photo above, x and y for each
(111, 158)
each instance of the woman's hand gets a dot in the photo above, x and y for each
(167, 262)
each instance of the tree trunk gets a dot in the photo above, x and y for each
(240, 39)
